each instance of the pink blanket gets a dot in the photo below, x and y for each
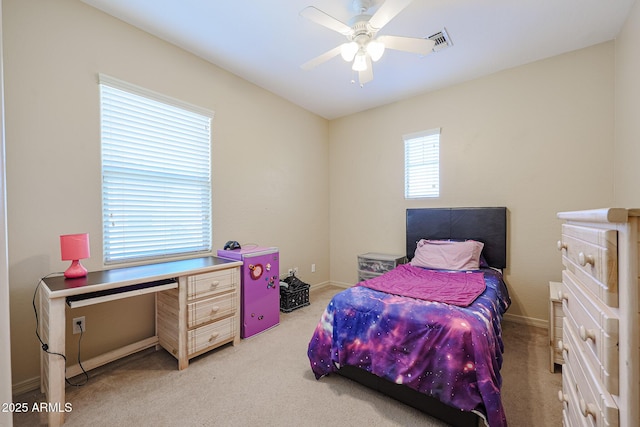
(458, 288)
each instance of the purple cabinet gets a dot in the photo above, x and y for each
(260, 288)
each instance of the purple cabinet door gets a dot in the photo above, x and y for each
(260, 293)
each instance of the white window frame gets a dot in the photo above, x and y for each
(422, 164)
(156, 174)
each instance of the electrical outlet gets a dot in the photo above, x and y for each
(77, 323)
(313, 268)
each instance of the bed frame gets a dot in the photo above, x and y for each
(487, 225)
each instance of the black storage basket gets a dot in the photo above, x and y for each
(293, 296)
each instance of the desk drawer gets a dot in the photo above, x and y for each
(597, 328)
(202, 285)
(595, 405)
(592, 255)
(211, 335)
(207, 310)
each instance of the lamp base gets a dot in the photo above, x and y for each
(75, 270)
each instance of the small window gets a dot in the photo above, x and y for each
(156, 174)
(422, 164)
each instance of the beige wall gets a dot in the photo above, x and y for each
(537, 139)
(627, 108)
(270, 160)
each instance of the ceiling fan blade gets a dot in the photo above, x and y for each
(407, 44)
(319, 17)
(365, 76)
(322, 58)
(388, 11)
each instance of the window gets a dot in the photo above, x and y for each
(156, 174)
(422, 164)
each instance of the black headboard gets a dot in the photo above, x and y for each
(486, 225)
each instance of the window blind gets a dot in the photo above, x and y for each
(156, 174)
(422, 164)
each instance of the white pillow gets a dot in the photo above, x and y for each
(448, 254)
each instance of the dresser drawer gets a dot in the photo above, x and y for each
(209, 309)
(556, 332)
(595, 405)
(376, 265)
(211, 335)
(555, 324)
(597, 328)
(571, 411)
(202, 285)
(365, 275)
(591, 254)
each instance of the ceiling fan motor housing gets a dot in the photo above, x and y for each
(361, 30)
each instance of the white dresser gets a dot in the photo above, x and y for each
(601, 329)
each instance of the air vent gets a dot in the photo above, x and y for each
(442, 40)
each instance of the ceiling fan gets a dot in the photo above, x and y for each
(362, 46)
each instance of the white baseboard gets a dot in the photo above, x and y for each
(328, 283)
(26, 386)
(529, 321)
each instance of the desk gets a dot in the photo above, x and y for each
(170, 278)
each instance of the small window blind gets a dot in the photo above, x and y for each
(422, 164)
(156, 174)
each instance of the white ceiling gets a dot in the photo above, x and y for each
(265, 42)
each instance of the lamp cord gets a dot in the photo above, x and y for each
(45, 346)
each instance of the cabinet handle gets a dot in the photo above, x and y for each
(214, 309)
(583, 259)
(562, 245)
(587, 334)
(214, 284)
(214, 336)
(588, 409)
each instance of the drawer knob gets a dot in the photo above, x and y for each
(562, 397)
(562, 245)
(214, 309)
(213, 336)
(583, 259)
(588, 409)
(214, 284)
(562, 346)
(587, 334)
(562, 296)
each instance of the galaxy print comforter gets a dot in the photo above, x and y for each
(451, 353)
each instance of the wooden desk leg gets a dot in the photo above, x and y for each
(183, 353)
(53, 319)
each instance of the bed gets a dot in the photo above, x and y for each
(440, 354)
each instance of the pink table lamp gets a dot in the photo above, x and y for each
(74, 247)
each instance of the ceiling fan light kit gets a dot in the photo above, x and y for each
(360, 63)
(349, 50)
(375, 49)
(363, 46)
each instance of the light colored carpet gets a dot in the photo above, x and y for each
(266, 381)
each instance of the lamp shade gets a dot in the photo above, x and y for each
(74, 246)
(375, 49)
(360, 63)
(348, 51)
